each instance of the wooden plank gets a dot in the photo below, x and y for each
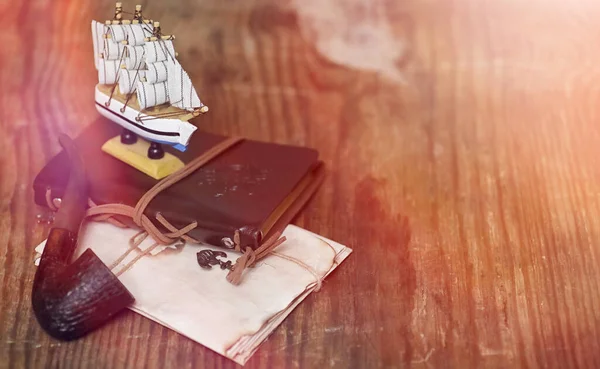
(461, 139)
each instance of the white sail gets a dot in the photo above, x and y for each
(112, 50)
(152, 94)
(98, 40)
(129, 79)
(161, 50)
(136, 33)
(117, 32)
(135, 57)
(181, 91)
(157, 72)
(108, 71)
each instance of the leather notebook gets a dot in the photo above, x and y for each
(253, 187)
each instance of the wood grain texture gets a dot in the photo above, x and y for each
(464, 173)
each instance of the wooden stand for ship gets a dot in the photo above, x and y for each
(143, 88)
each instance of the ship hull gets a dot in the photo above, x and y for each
(174, 132)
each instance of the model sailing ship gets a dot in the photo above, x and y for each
(141, 85)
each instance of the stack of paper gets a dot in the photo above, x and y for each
(173, 290)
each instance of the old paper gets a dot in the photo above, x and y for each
(171, 288)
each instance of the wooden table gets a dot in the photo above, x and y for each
(462, 141)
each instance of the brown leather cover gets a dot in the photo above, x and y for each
(239, 190)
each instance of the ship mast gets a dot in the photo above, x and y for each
(118, 12)
(137, 15)
(118, 18)
(157, 34)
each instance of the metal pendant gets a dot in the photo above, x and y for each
(207, 258)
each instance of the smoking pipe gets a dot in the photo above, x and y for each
(72, 299)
